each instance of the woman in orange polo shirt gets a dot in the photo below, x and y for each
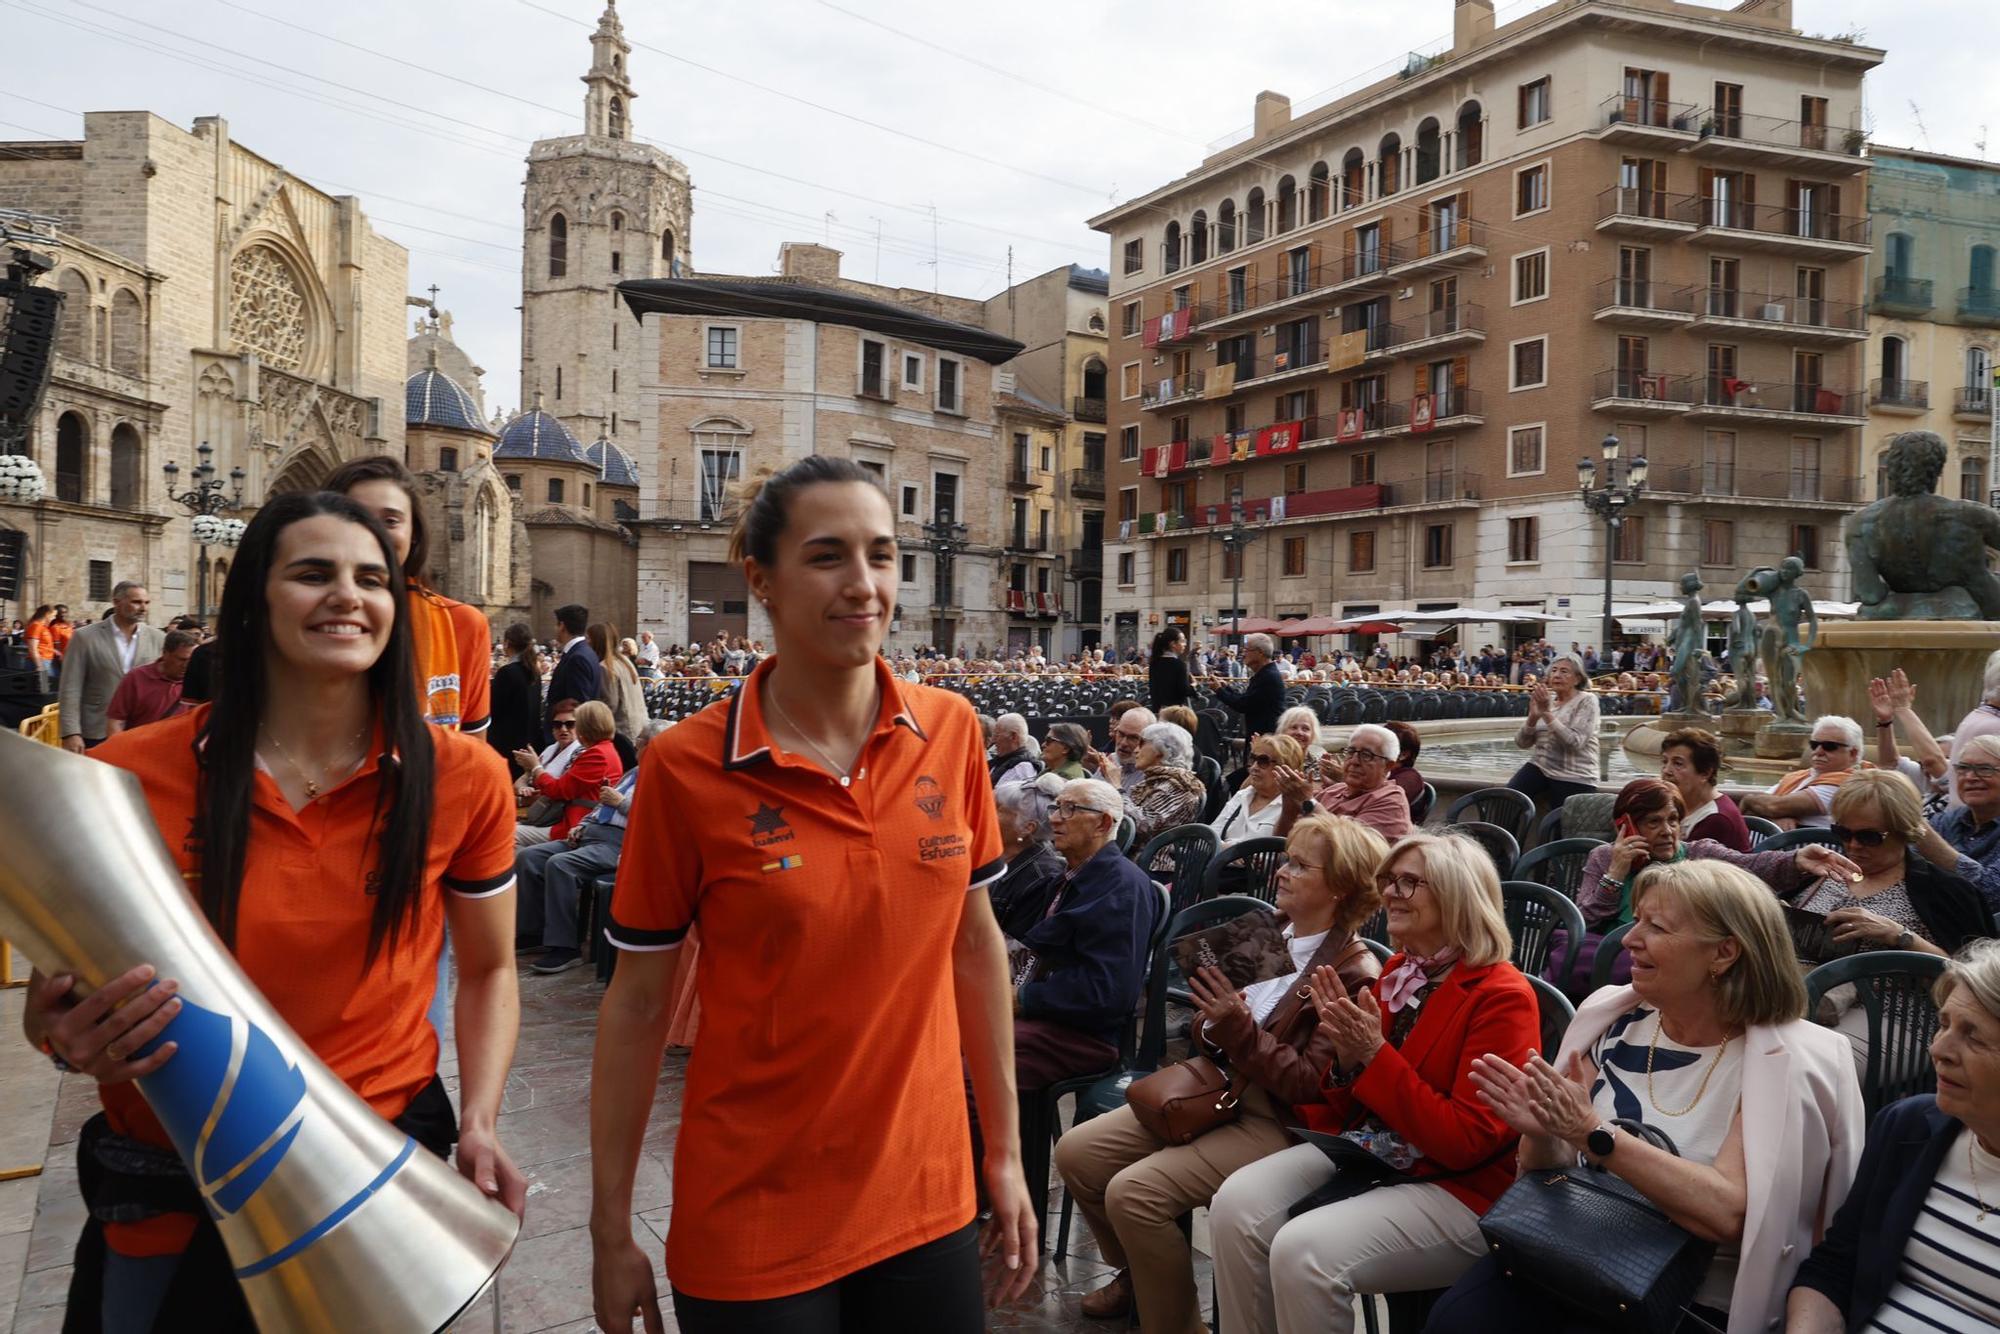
(824, 827)
(327, 833)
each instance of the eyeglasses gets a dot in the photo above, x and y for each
(1300, 863)
(1403, 886)
(1986, 771)
(1356, 753)
(1817, 744)
(1867, 838)
(562, 723)
(1263, 762)
(1067, 809)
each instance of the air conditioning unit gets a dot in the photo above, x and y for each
(1270, 331)
(1774, 312)
(1406, 294)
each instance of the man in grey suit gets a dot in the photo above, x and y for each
(99, 656)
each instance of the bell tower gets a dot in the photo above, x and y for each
(607, 107)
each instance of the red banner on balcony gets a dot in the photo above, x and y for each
(1826, 402)
(1170, 327)
(1177, 457)
(1280, 437)
(1423, 414)
(1016, 600)
(1153, 461)
(1347, 424)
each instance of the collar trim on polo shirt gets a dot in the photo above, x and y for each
(746, 740)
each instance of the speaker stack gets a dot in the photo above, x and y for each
(26, 355)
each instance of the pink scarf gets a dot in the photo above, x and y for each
(1401, 984)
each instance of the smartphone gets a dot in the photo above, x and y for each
(1623, 827)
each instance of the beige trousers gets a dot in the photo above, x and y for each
(1283, 1275)
(1132, 1188)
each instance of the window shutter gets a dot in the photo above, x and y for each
(1749, 179)
(1833, 201)
(1423, 380)
(1461, 368)
(1792, 195)
(1660, 95)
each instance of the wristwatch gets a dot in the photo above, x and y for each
(1308, 806)
(1904, 940)
(1602, 1140)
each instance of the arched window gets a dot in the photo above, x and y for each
(1389, 166)
(617, 222)
(1319, 192)
(128, 335)
(513, 480)
(667, 254)
(1225, 227)
(1170, 250)
(1253, 216)
(558, 246)
(125, 457)
(72, 450)
(1430, 151)
(1093, 378)
(1471, 147)
(1353, 179)
(73, 333)
(617, 118)
(1288, 204)
(1198, 237)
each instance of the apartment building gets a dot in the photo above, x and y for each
(1386, 330)
(1936, 309)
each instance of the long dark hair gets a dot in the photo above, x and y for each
(1164, 641)
(228, 746)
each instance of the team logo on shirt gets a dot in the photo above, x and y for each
(930, 797)
(768, 826)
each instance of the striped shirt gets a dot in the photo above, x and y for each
(1951, 1263)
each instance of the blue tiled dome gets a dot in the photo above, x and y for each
(614, 466)
(536, 435)
(432, 398)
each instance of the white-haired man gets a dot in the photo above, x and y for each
(1803, 798)
(1015, 757)
(1984, 720)
(1262, 698)
(1089, 954)
(1127, 735)
(1363, 792)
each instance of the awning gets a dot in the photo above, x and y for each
(1725, 609)
(1310, 625)
(1249, 625)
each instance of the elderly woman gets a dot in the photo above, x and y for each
(1064, 747)
(1131, 1187)
(1363, 791)
(1561, 731)
(1301, 724)
(1913, 1247)
(1167, 792)
(1258, 805)
(1180, 715)
(1397, 1086)
(1690, 759)
(1404, 772)
(1034, 868)
(1965, 839)
(1708, 1043)
(1803, 798)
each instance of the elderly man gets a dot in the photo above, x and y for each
(1803, 798)
(1262, 698)
(1364, 791)
(1127, 735)
(551, 874)
(1016, 757)
(1984, 720)
(1086, 960)
(99, 656)
(152, 690)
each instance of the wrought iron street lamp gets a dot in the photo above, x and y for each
(1609, 502)
(1234, 539)
(946, 540)
(206, 502)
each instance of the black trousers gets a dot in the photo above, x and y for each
(934, 1287)
(1484, 1300)
(1548, 792)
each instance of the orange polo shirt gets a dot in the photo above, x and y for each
(454, 652)
(824, 1123)
(302, 919)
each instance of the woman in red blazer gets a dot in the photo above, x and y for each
(1401, 1087)
(596, 765)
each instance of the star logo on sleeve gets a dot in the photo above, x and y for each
(767, 820)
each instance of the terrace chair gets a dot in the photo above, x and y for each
(1760, 829)
(1534, 914)
(1177, 858)
(1557, 1013)
(1128, 831)
(1797, 838)
(1503, 806)
(1421, 807)
(1559, 865)
(1588, 815)
(1608, 950)
(1894, 989)
(1499, 844)
(1248, 866)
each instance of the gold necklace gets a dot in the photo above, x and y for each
(771, 697)
(312, 788)
(1653, 1048)
(1972, 1166)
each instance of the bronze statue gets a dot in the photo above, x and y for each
(1919, 556)
(1784, 646)
(1743, 650)
(1690, 645)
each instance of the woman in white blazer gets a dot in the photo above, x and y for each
(1709, 1044)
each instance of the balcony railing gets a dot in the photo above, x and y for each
(1301, 355)
(1442, 237)
(1087, 562)
(1980, 305)
(1643, 387)
(1887, 393)
(1448, 404)
(1371, 262)
(1973, 400)
(1019, 474)
(1728, 303)
(1462, 318)
(1172, 389)
(1778, 220)
(1087, 409)
(1643, 205)
(1033, 543)
(1895, 292)
(1802, 397)
(1388, 415)
(1086, 482)
(1773, 132)
(1726, 479)
(1443, 487)
(1645, 294)
(1651, 113)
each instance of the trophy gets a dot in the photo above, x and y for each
(334, 1219)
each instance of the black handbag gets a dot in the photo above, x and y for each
(1595, 1244)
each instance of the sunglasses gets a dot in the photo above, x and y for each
(1867, 838)
(1817, 744)
(561, 723)
(1262, 762)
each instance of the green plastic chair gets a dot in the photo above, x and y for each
(1894, 987)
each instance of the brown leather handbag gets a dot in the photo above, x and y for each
(1186, 1100)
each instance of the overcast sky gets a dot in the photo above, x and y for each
(1015, 121)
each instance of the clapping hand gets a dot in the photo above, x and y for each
(1537, 1099)
(1538, 700)
(1879, 700)
(527, 759)
(1354, 1026)
(1213, 995)
(1822, 861)
(1293, 786)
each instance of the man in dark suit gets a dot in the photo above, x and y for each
(515, 704)
(1262, 698)
(578, 675)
